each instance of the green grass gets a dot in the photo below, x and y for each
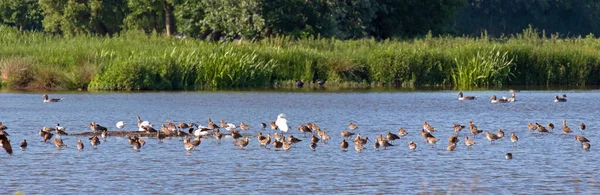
(134, 60)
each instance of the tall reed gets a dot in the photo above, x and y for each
(134, 60)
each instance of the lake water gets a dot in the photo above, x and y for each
(542, 163)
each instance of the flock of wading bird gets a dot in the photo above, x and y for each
(280, 127)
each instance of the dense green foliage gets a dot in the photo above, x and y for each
(134, 60)
(233, 19)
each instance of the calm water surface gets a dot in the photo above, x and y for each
(549, 163)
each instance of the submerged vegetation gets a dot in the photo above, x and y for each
(134, 60)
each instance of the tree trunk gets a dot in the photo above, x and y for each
(168, 18)
(21, 28)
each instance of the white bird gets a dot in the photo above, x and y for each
(282, 123)
(120, 125)
(230, 127)
(59, 127)
(144, 124)
(199, 132)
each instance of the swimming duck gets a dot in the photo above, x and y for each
(508, 156)
(46, 99)
(495, 100)
(513, 138)
(560, 99)
(461, 97)
(581, 139)
(23, 145)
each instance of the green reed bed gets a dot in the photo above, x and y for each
(134, 60)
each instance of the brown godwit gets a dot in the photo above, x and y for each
(79, 144)
(402, 132)
(244, 126)
(491, 137)
(58, 143)
(453, 139)
(242, 143)
(392, 137)
(428, 127)
(344, 144)
(451, 147)
(531, 127)
(352, 126)
(513, 138)
(457, 128)
(412, 145)
(586, 146)
(500, 133)
(469, 142)
(293, 140)
(314, 139)
(347, 134)
(551, 126)
(5, 142)
(266, 141)
(95, 141)
(581, 139)
(358, 147)
(565, 128)
(235, 134)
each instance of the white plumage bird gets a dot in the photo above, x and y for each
(282, 123)
(230, 127)
(144, 124)
(120, 125)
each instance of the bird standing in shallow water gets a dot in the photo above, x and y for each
(402, 132)
(451, 147)
(469, 142)
(352, 126)
(581, 139)
(344, 145)
(491, 137)
(242, 143)
(586, 146)
(79, 144)
(412, 145)
(281, 123)
(23, 145)
(5, 142)
(58, 143)
(582, 127)
(508, 156)
(120, 125)
(513, 138)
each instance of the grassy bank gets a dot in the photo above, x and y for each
(134, 60)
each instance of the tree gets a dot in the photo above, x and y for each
(22, 13)
(73, 17)
(409, 18)
(189, 15)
